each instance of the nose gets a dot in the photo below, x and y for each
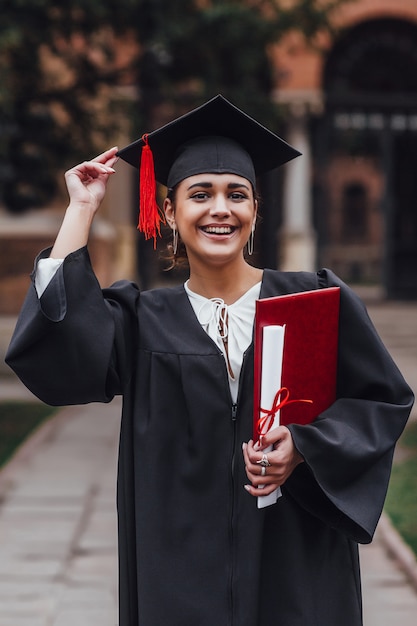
(220, 206)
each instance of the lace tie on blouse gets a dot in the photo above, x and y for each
(214, 312)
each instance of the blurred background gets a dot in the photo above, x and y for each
(335, 78)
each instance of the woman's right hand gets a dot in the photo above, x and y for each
(86, 185)
(87, 182)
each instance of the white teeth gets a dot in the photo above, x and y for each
(218, 230)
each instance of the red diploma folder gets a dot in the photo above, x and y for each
(309, 361)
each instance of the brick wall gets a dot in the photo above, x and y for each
(21, 239)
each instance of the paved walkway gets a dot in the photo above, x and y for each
(388, 597)
(58, 563)
(58, 552)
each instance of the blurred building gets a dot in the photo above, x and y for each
(353, 113)
(349, 203)
(350, 105)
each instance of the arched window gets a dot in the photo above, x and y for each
(376, 58)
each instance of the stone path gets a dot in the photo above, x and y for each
(58, 564)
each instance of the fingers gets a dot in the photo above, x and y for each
(260, 491)
(282, 460)
(262, 481)
(87, 182)
(257, 473)
(101, 164)
(108, 155)
(272, 437)
(90, 170)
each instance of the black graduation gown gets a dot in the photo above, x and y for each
(194, 548)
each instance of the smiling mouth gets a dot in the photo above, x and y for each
(218, 230)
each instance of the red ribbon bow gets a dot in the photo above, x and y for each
(282, 398)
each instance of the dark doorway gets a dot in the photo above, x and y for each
(402, 278)
(366, 148)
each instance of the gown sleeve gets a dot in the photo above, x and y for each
(348, 449)
(73, 345)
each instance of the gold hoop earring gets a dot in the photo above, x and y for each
(174, 240)
(251, 240)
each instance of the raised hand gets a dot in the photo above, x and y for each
(87, 182)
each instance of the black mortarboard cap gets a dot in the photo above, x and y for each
(215, 137)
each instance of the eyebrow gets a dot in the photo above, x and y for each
(208, 185)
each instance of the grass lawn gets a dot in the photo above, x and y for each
(17, 421)
(401, 503)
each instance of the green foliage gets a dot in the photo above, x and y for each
(194, 50)
(401, 503)
(55, 60)
(17, 421)
(409, 438)
(58, 60)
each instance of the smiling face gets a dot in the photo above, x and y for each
(214, 215)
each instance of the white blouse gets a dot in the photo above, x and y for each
(227, 325)
(45, 271)
(230, 325)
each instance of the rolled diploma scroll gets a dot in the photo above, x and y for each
(272, 355)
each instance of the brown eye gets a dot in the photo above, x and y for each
(237, 195)
(200, 195)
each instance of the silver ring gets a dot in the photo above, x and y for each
(264, 461)
(263, 470)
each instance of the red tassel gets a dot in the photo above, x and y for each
(150, 216)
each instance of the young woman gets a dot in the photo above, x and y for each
(194, 547)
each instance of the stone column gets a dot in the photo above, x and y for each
(117, 205)
(297, 241)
